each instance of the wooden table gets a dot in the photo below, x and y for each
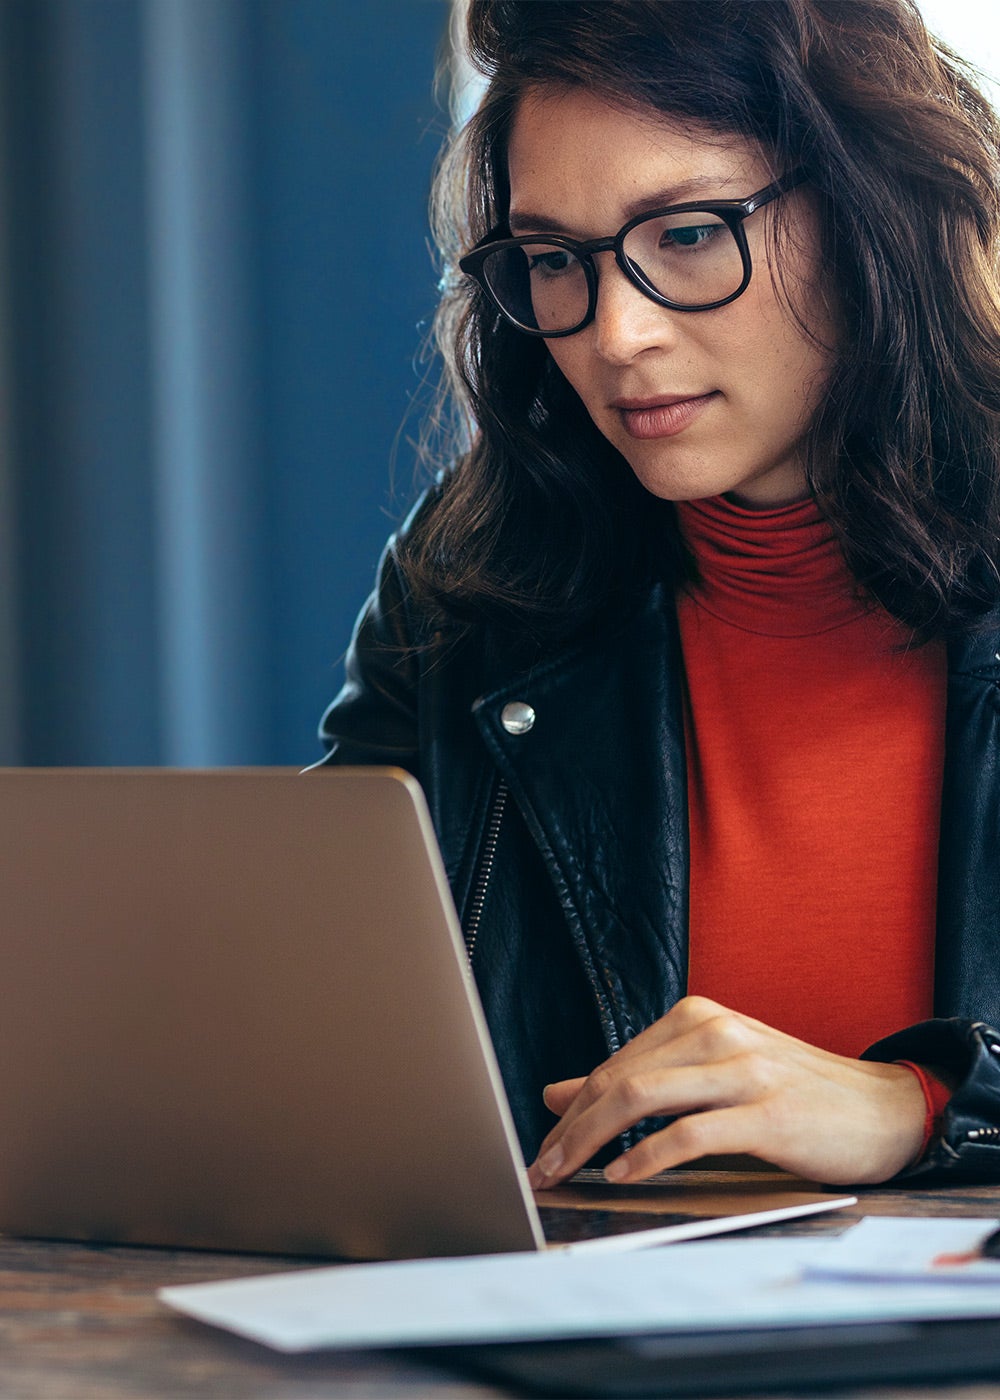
(81, 1321)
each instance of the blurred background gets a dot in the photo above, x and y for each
(215, 282)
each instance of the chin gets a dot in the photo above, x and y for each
(675, 484)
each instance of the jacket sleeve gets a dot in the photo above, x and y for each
(374, 718)
(967, 1148)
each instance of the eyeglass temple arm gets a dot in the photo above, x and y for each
(787, 182)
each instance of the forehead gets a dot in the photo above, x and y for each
(583, 161)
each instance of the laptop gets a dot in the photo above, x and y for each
(238, 1014)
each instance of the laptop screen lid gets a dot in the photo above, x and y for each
(238, 1015)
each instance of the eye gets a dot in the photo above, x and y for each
(550, 262)
(689, 236)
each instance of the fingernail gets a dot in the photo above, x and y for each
(550, 1162)
(545, 1095)
(616, 1170)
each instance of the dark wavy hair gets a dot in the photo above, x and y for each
(539, 527)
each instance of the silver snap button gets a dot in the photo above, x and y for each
(517, 717)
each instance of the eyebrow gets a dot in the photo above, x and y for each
(530, 222)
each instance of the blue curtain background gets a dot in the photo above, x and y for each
(214, 282)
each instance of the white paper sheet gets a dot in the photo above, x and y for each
(911, 1250)
(711, 1285)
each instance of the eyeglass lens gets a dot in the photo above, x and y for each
(691, 258)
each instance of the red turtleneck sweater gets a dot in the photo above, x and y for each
(815, 744)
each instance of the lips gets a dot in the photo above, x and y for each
(661, 417)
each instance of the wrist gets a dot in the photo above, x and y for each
(936, 1096)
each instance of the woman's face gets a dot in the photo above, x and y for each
(699, 403)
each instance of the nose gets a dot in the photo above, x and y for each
(626, 321)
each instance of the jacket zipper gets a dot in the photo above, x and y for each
(486, 861)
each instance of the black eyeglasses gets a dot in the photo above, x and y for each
(689, 257)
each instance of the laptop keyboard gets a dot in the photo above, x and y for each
(568, 1224)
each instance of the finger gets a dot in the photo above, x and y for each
(712, 1035)
(620, 1082)
(718, 1132)
(645, 1090)
(560, 1095)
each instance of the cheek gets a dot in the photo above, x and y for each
(782, 357)
(800, 325)
(572, 361)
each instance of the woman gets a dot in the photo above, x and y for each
(694, 645)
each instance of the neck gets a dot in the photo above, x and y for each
(781, 486)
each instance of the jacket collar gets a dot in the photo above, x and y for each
(978, 654)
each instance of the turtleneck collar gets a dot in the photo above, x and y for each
(779, 572)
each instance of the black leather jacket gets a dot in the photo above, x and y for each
(564, 835)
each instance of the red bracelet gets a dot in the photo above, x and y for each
(936, 1096)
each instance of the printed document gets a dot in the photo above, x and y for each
(684, 1287)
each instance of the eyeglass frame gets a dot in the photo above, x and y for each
(731, 211)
